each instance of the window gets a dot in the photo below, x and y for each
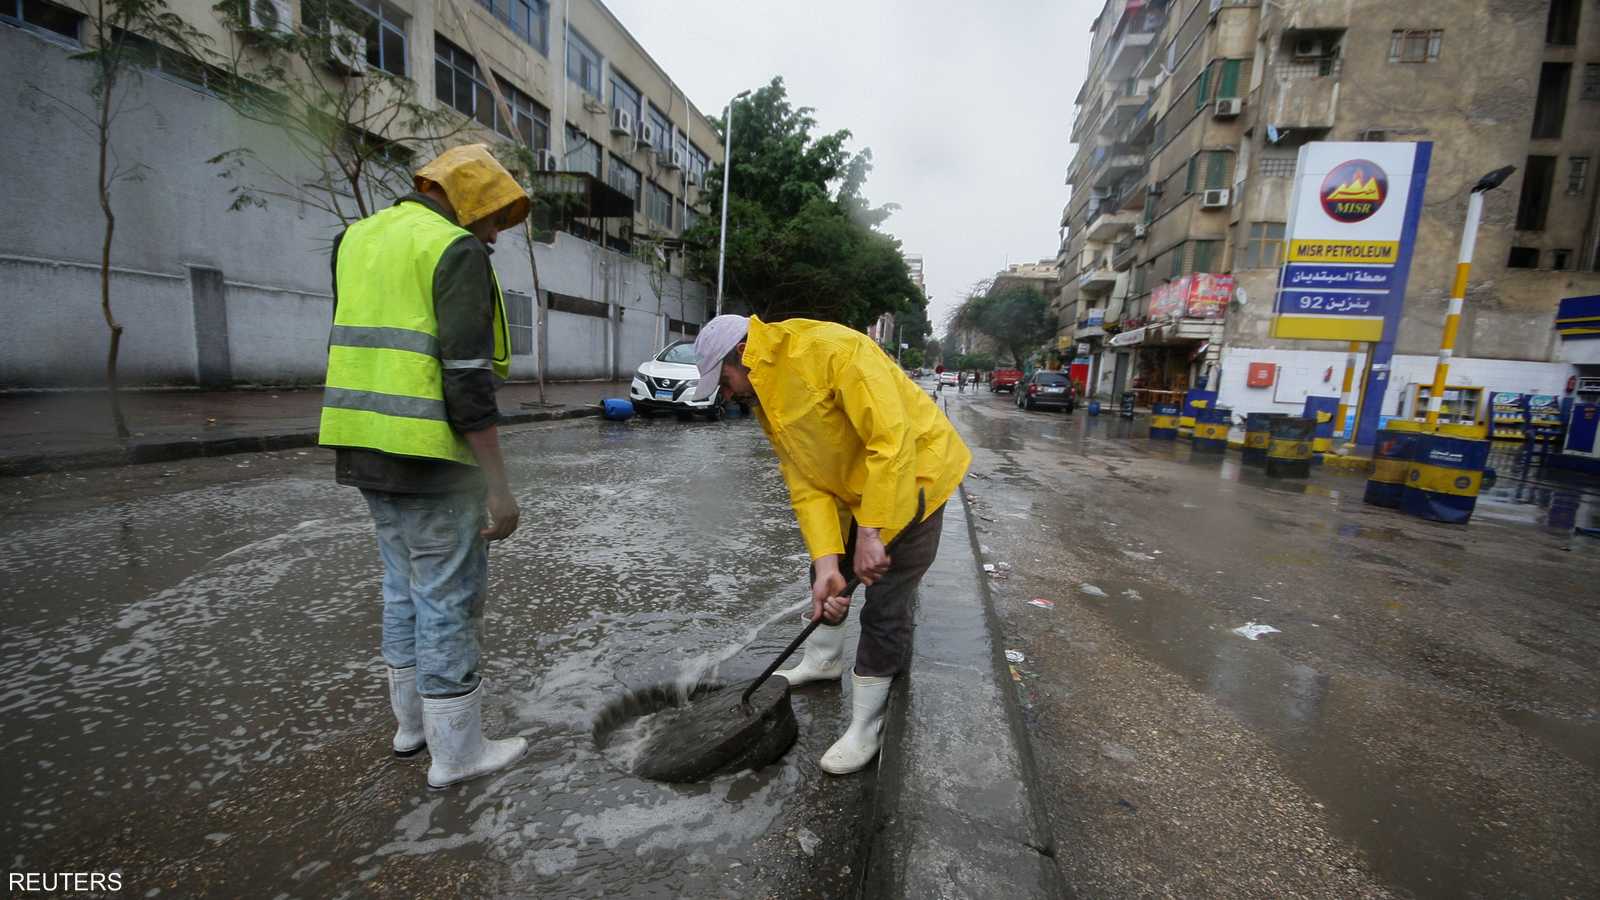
(1577, 174)
(583, 155)
(624, 96)
(530, 19)
(1216, 170)
(1591, 81)
(691, 218)
(1523, 258)
(186, 70)
(1202, 94)
(1562, 26)
(658, 120)
(532, 119)
(37, 15)
(624, 178)
(1206, 256)
(1278, 166)
(1538, 179)
(1415, 46)
(583, 64)
(1177, 261)
(519, 321)
(1550, 110)
(1264, 247)
(658, 206)
(1561, 260)
(386, 36)
(1229, 85)
(699, 162)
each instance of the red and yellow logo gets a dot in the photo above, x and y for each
(1354, 191)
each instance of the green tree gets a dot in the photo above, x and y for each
(911, 359)
(802, 240)
(1016, 317)
(125, 37)
(933, 352)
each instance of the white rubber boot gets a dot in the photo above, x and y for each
(824, 659)
(454, 727)
(407, 706)
(860, 743)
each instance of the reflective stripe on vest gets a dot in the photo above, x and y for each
(385, 382)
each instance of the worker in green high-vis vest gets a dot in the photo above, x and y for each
(418, 347)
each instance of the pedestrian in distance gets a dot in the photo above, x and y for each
(858, 444)
(419, 346)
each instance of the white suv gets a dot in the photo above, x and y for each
(663, 383)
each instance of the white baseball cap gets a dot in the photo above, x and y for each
(716, 340)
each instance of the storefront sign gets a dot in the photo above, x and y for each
(1352, 222)
(1209, 295)
(1097, 318)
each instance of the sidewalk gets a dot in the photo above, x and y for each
(957, 808)
(55, 431)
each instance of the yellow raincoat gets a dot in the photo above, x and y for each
(854, 436)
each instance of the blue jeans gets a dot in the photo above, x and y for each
(435, 573)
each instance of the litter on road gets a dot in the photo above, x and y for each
(1252, 631)
(1015, 656)
(1091, 590)
(1042, 603)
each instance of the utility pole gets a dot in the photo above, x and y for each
(1458, 291)
(727, 176)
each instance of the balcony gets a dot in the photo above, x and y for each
(1131, 47)
(1105, 225)
(1098, 278)
(1304, 95)
(1123, 254)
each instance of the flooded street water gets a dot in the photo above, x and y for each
(193, 692)
(1418, 717)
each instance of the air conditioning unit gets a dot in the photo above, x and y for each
(1140, 232)
(697, 176)
(1216, 198)
(1229, 107)
(1154, 190)
(595, 104)
(622, 121)
(1309, 48)
(271, 16)
(347, 49)
(648, 134)
(548, 161)
(672, 159)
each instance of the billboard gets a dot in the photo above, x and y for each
(1352, 221)
(1198, 296)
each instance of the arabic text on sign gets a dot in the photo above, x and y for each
(1337, 277)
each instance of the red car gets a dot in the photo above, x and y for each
(1004, 380)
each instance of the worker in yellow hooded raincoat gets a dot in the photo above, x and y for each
(419, 345)
(862, 449)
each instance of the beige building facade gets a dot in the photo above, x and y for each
(1188, 131)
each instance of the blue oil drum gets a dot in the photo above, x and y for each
(1193, 402)
(1289, 450)
(1164, 422)
(1257, 436)
(617, 409)
(1444, 478)
(1391, 462)
(1094, 407)
(1322, 410)
(1211, 426)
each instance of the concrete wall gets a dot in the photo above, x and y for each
(264, 316)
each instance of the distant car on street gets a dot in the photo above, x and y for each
(950, 378)
(663, 382)
(1047, 390)
(1004, 380)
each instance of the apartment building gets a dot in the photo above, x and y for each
(217, 297)
(1188, 131)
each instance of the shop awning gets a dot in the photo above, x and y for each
(1579, 317)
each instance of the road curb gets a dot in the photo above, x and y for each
(192, 448)
(956, 806)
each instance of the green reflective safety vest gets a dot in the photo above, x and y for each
(385, 382)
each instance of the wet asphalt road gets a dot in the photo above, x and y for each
(192, 691)
(1425, 723)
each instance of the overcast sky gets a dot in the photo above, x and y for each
(966, 106)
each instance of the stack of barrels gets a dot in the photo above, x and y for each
(1433, 472)
(1289, 447)
(1211, 425)
(1164, 422)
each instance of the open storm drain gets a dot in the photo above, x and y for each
(661, 734)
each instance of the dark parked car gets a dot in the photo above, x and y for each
(1047, 390)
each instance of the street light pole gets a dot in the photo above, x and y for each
(727, 176)
(1458, 291)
